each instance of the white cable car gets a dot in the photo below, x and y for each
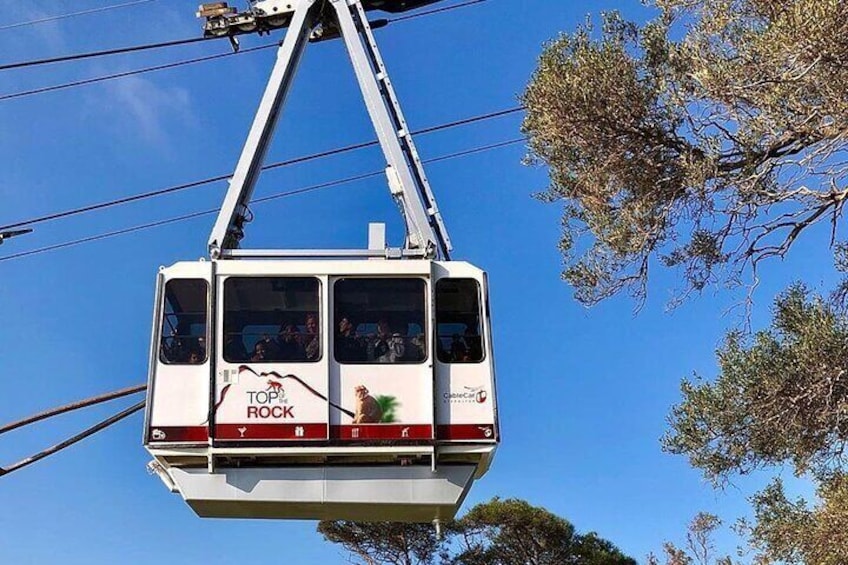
(324, 384)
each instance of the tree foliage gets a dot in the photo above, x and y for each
(790, 532)
(384, 542)
(707, 140)
(499, 532)
(513, 532)
(700, 546)
(781, 396)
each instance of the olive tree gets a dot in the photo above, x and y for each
(708, 140)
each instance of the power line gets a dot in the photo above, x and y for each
(74, 14)
(277, 196)
(104, 78)
(72, 440)
(436, 11)
(131, 49)
(104, 53)
(297, 160)
(71, 407)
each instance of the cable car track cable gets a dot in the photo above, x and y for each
(71, 407)
(303, 190)
(104, 53)
(186, 62)
(74, 14)
(289, 162)
(103, 78)
(72, 440)
(178, 42)
(436, 11)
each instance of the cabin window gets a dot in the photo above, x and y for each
(458, 330)
(184, 322)
(272, 320)
(380, 320)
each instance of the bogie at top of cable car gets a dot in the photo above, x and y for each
(324, 384)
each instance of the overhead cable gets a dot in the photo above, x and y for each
(75, 14)
(124, 74)
(289, 162)
(436, 11)
(107, 52)
(71, 407)
(171, 44)
(72, 440)
(277, 196)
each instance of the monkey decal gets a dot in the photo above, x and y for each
(368, 410)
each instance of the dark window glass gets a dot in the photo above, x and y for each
(380, 321)
(271, 319)
(184, 322)
(458, 331)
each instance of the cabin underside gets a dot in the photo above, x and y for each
(399, 484)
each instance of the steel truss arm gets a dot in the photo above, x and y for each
(229, 227)
(426, 234)
(407, 180)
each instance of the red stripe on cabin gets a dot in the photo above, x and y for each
(467, 431)
(381, 432)
(292, 432)
(178, 434)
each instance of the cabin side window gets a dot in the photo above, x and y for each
(458, 331)
(272, 320)
(380, 320)
(184, 318)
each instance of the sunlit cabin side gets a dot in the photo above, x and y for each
(357, 390)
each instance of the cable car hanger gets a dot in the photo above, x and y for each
(426, 235)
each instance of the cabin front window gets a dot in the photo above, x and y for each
(458, 330)
(184, 318)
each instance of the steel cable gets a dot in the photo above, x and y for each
(289, 162)
(294, 192)
(71, 407)
(177, 42)
(72, 440)
(75, 14)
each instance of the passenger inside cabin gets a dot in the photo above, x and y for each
(350, 348)
(288, 344)
(259, 352)
(196, 356)
(418, 350)
(474, 344)
(311, 343)
(386, 346)
(234, 349)
(458, 350)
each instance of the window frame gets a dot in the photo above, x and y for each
(319, 312)
(482, 316)
(426, 302)
(164, 316)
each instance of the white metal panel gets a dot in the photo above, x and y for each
(411, 494)
(466, 399)
(178, 395)
(271, 401)
(410, 385)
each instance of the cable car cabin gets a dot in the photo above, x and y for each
(322, 389)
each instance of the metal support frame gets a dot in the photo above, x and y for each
(426, 235)
(229, 226)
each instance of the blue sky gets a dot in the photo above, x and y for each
(583, 393)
